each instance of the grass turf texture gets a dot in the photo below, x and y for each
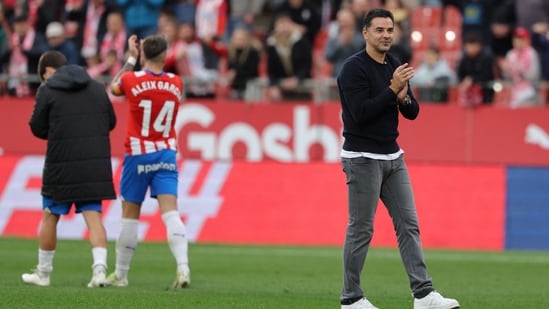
(269, 277)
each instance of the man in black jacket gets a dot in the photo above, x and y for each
(75, 115)
(374, 89)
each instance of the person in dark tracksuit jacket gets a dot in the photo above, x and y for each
(74, 114)
(374, 89)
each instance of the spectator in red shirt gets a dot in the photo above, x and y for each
(522, 67)
(25, 46)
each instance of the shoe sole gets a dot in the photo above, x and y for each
(30, 282)
(112, 281)
(36, 284)
(453, 307)
(116, 285)
(181, 285)
(99, 285)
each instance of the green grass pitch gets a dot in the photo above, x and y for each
(226, 276)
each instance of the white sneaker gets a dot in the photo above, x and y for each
(113, 280)
(360, 304)
(98, 279)
(36, 279)
(434, 300)
(182, 280)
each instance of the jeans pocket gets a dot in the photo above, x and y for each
(360, 161)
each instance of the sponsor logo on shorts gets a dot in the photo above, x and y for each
(148, 168)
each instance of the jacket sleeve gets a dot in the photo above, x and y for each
(112, 116)
(411, 110)
(39, 121)
(302, 59)
(354, 85)
(39, 47)
(109, 108)
(273, 69)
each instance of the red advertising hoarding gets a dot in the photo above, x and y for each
(288, 132)
(278, 203)
(270, 173)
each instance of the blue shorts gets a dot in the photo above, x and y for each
(64, 208)
(157, 171)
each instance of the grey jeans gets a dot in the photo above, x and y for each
(368, 180)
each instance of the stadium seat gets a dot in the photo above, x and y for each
(502, 97)
(321, 39)
(452, 57)
(453, 95)
(449, 39)
(452, 17)
(321, 67)
(426, 17)
(417, 58)
(421, 38)
(544, 94)
(319, 61)
(262, 67)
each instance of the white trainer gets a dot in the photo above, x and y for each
(113, 280)
(360, 304)
(434, 300)
(99, 279)
(36, 279)
(182, 280)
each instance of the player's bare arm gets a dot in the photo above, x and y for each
(133, 50)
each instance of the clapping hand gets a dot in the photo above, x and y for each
(133, 46)
(401, 77)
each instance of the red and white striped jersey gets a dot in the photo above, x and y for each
(211, 18)
(153, 101)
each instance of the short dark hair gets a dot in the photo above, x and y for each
(154, 46)
(367, 20)
(472, 37)
(283, 15)
(52, 59)
(20, 18)
(434, 48)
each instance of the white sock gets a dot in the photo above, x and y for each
(99, 258)
(45, 262)
(125, 246)
(177, 239)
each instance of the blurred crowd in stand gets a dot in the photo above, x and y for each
(470, 52)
